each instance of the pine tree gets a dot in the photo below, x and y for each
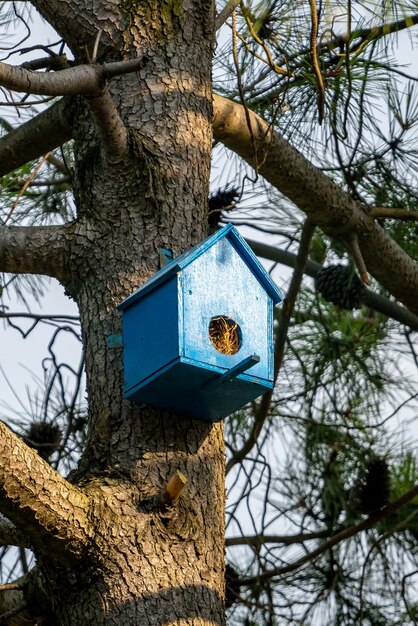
(105, 162)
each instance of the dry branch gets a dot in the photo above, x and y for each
(394, 214)
(174, 488)
(256, 541)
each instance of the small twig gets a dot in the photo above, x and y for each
(11, 587)
(395, 214)
(352, 244)
(276, 68)
(241, 91)
(96, 46)
(257, 541)
(25, 186)
(174, 488)
(315, 62)
(41, 316)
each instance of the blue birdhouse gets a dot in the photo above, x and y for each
(198, 336)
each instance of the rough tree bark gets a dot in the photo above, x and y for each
(111, 551)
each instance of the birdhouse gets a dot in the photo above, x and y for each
(198, 336)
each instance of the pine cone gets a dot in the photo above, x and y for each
(232, 585)
(43, 437)
(222, 200)
(341, 286)
(373, 488)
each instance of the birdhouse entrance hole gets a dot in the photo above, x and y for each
(225, 334)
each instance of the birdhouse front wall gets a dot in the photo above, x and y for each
(220, 284)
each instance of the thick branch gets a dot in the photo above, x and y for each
(44, 506)
(43, 133)
(13, 608)
(85, 80)
(318, 196)
(23, 601)
(35, 250)
(52, 128)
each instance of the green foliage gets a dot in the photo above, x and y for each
(38, 192)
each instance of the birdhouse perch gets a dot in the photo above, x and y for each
(198, 336)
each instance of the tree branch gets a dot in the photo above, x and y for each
(256, 541)
(318, 196)
(35, 250)
(373, 32)
(13, 609)
(43, 505)
(226, 12)
(394, 214)
(358, 36)
(43, 133)
(84, 80)
(373, 300)
(110, 126)
(23, 601)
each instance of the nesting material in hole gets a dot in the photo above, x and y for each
(225, 334)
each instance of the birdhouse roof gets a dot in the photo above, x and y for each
(178, 264)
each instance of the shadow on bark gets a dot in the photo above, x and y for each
(180, 604)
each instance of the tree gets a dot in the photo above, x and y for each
(119, 540)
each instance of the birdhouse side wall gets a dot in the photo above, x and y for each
(151, 333)
(220, 283)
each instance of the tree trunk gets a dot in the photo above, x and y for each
(147, 562)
